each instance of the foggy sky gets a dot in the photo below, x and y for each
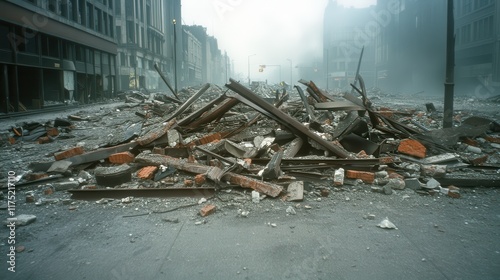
(273, 30)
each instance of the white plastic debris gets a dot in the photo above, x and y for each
(291, 210)
(127, 199)
(432, 184)
(243, 213)
(255, 197)
(202, 200)
(385, 223)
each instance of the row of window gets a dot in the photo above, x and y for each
(134, 61)
(465, 7)
(82, 12)
(478, 30)
(27, 41)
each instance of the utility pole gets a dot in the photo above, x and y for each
(450, 65)
(175, 55)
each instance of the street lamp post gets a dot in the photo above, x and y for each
(175, 55)
(249, 68)
(291, 75)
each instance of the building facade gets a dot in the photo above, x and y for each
(145, 37)
(477, 45)
(411, 47)
(192, 58)
(55, 51)
(346, 32)
(214, 65)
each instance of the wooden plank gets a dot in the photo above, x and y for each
(182, 164)
(342, 105)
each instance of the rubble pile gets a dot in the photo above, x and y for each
(270, 143)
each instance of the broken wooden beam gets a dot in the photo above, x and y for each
(270, 189)
(251, 99)
(188, 102)
(272, 169)
(166, 82)
(95, 194)
(100, 153)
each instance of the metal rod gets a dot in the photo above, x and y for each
(166, 82)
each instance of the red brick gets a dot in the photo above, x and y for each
(147, 172)
(69, 153)
(386, 160)
(367, 177)
(478, 160)
(200, 179)
(492, 139)
(207, 210)
(36, 176)
(52, 132)
(120, 158)
(48, 191)
(44, 140)
(362, 154)
(412, 147)
(471, 142)
(453, 191)
(188, 183)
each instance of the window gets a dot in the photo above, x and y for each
(80, 53)
(72, 10)
(466, 6)
(105, 59)
(50, 46)
(26, 40)
(118, 7)
(132, 61)
(118, 34)
(89, 55)
(97, 58)
(123, 59)
(111, 24)
(63, 8)
(105, 25)
(465, 34)
(4, 33)
(90, 16)
(52, 6)
(98, 20)
(68, 49)
(130, 32)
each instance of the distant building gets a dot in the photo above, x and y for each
(411, 46)
(192, 58)
(477, 31)
(145, 37)
(55, 51)
(346, 32)
(213, 63)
